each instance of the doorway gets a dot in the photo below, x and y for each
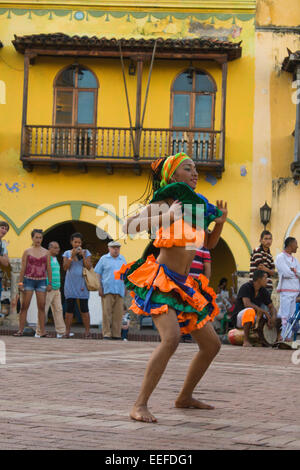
(222, 265)
(61, 233)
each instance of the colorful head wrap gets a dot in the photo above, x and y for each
(170, 166)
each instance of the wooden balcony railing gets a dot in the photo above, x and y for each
(42, 144)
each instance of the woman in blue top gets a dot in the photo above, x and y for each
(75, 288)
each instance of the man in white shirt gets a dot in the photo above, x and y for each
(288, 268)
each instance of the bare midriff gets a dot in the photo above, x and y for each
(177, 258)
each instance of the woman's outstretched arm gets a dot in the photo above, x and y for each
(214, 236)
(152, 217)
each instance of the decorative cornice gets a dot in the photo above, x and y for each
(89, 13)
(176, 5)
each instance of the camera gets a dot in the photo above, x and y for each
(80, 257)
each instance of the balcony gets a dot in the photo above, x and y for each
(118, 147)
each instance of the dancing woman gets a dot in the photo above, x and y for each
(162, 287)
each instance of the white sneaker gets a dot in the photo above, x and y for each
(125, 339)
(37, 336)
(61, 336)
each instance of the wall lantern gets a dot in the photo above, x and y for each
(132, 68)
(265, 214)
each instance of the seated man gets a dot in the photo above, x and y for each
(250, 306)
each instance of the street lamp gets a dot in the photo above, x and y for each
(265, 214)
(132, 68)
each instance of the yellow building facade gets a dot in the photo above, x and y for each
(76, 191)
(275, 149)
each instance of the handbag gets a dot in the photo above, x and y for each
(91, 279)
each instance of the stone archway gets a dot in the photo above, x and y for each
(223, 264)
(61, 233)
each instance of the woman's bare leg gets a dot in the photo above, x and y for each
(209, 346)
(86, 322)
(41, 302)
(169, 331)
(26, 299)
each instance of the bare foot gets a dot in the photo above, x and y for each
(141, 413)
(246, 344)
(193, 403)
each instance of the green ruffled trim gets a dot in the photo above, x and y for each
(172, 299)
(186, 195)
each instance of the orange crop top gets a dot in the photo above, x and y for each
(180, 233)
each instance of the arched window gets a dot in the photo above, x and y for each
(193, 100)
(193, 114)
(75, 97)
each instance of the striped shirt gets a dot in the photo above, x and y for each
(55, 268)
(197, 266)
(260, 256)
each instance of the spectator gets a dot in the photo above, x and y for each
(250, 306)
(4, 261)
(53, 298)
(225, 305)
(262, 259)
(112, 291)
(201, 263)
(125, 326)
(75, 288)
(288, 268)
(35, 267)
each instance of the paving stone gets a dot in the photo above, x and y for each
(78, 394)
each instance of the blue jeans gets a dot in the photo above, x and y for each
(124, 334)
(39, 285)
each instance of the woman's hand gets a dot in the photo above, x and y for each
(21, 286)
(223, 208)
(101, 293)
(175, 210)
(49, 288)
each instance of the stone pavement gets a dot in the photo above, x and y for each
(76, 394)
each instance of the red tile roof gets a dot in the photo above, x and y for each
(63, 42)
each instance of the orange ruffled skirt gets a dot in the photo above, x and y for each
(155, 289)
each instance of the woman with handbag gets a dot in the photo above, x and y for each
(75, 286)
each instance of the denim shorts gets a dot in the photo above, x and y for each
(38, 285)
